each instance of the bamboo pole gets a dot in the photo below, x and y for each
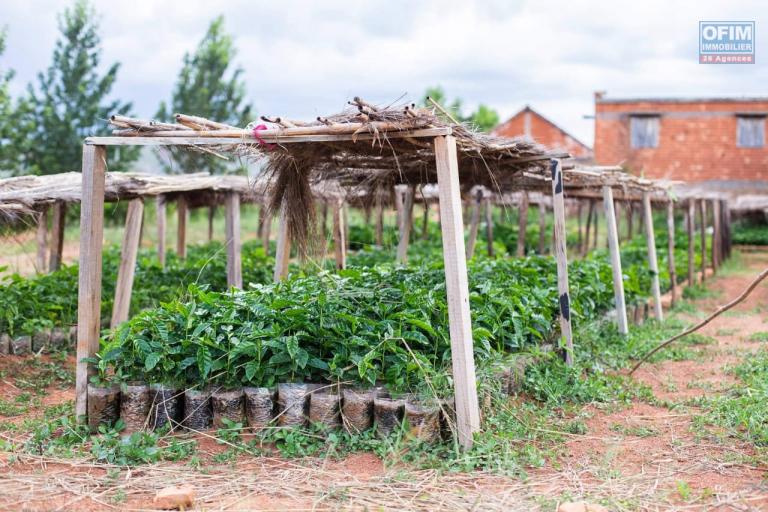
(406, 223)
(671, 252)
(161, 225)
(653, 264)
(457, 290)
(615, 253)
(128, 254)
(561, 257)
(89, 274)
(42, 241)
(57, 235)
(339, 235)
(232, 230)
(690, 218)
(522, 225)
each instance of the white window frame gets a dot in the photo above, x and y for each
(652, 126)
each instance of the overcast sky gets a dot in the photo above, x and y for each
(303, 59)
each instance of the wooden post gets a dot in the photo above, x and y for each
(339, 235)
(716, 235)
(617, 214)
(211, 215)
(522, 225)
(671, 252)
(345, 213)
(181, 227)
(283, 251)
(406, 222)
(128, 252)
(542, 227)
(42, 240)
(690, 216)
(489, 226)
(425, 220)
(232, 230)
(57, 235)
(474, 223)
(630, 218)
(725, 212)
(457, 289)
(561, 256)
(596, 224)
(379, 223)
(89, 279)
(580, 242)
(588, 230)
(266, 229)
(613, 248)
(161, 224)
(703, 231)
(398, 208)
(653, 264)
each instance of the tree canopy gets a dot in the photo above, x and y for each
(483, 119)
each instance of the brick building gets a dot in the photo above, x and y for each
(714, 142)
(531, 124)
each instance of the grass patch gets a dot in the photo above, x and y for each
(758, 336)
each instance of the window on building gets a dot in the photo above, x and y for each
(644, 131)
(750, 131)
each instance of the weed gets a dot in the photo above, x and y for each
(758, 336)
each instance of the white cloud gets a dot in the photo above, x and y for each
(303, 59)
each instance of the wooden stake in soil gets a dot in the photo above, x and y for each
(613, 248)
(339, 235)
(57, 235)
(703, 231)
(181, 227)
(561, 256)
(42, 241)
(232, 230)
(691, 242)
(161, 225)
(653, 264)
(130, 248)
(406, 223)
(283, 252)
(89, 280)
(474, 224)
(522, 225)
(671, 252)
(489, 226)
(457, 288)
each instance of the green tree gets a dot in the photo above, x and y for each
(71, 99)
(210, 86)
(483, 119)
(8, 152)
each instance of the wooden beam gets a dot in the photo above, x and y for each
(89, 280)
(716, 235)
(489, 226)
(474, 224)
(653, 265)
(128, 253)
(57, 235)
(232, 230)
(181, 227)
(41, 238)
(561, 257)
(339, 235)
(406, 222)
(457, 289)
(522, 225)
(689, 218)
(283, 251)
(671, 252)
(703, 232)
(161, 225)
(542, 228)
(613, 249)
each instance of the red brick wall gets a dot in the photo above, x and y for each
(697, 140)
(542, 131)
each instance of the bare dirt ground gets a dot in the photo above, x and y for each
(639, 457)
